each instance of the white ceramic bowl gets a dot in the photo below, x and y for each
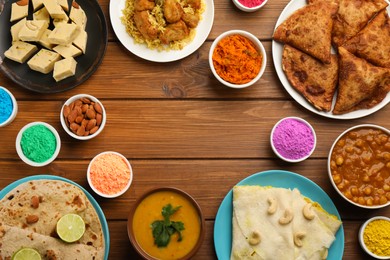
(303, 157)
(330, 170)
(19, 149)
(361, 237)
(123, 190)
(245, 8)
(259, 47)
(66, 128)
(14, 109)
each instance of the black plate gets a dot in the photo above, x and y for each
(86, 64)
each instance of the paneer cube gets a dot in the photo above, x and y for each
(15, 29)
(32, 30)
(78, 16)
(19, 10)
(64, 68)
(44, 40)
(42, 14)
(54, 9)
(64, 33)
(67, 51)
(81, 41)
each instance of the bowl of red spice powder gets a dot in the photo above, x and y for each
(109, 174)
(237, 59)
(249, 5)
(38, 144)
(293, 139)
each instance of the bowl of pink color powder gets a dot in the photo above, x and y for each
(293, 139)
(249, 5)
(109, 174)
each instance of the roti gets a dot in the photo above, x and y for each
(34, 208)
(262, 228)
(309, 30)
(372, 43)
(313, 79)
(361, 84)
(353, 16)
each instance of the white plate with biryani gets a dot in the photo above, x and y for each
(280, 215)
(277, 52)
(171, 41)
(29, 212)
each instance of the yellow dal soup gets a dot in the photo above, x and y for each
(149, 210)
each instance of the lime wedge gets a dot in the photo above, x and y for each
(26, 254)
(70, 227)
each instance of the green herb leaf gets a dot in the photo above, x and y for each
(163, 229)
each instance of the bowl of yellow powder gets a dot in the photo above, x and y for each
(374, 237)
(38, 144)
(109, 174)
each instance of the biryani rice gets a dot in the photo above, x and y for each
(156, 18)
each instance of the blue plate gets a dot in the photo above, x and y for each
(99, 211)
(275, 178)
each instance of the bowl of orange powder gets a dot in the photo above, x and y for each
(237, 59)
(109, 174)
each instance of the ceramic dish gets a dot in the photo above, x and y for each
(360, 192)
(275, 178)
(255, 41)
(19, 149)
(14, 108)
(361, 236)
(86, 64)
(166, 195)
(99, 211)
(277, 51)
(245, 8)
(202, 31)
(67, 129)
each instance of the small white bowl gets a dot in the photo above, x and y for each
(330, 170)
(120, 192)
(305, 156)
(361, 237)
(245, 8)
(19, 149)
(65, 126)
(14, 108)
(259, 47)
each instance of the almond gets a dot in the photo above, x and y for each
(35, 202)
(99, 118)
(98, 108)
(81, 131)
(86, 100)
(91, 124)
(74, 127)
(84, 108)
(66, 111)
(93, 130)
(79, 119)
(91, 114)
(31, 219)
(72, 116)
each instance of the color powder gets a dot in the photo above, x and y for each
(251, 3)
(38, 143)
(6, 106)
(293, 139)
(109, 173)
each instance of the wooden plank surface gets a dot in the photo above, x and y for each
(178, 126)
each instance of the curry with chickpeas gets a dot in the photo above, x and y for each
(360, 166)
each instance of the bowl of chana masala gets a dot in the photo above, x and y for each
(359, 166)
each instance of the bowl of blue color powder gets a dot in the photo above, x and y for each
(8, 107)
(38, 144)
(293, 139)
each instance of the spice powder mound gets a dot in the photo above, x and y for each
(236, 59)
(6, 106)
(109, 173)
(376, 237)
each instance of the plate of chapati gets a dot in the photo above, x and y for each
(325, 61)
(30, 209)
(246, 226)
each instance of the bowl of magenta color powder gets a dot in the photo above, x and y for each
(293, 139)
(249, 5)
(8, 107)
(38, 144)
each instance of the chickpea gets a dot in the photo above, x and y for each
(369, 202)
(369, 138)
(367, 190)
(337, 178)
(378, 140)
(341, 186)
(361, 201)
(355, 199)
(366, 178)
(354, 190)
(359, 143)
(379, 178)
(386, 187)
(349, 149)
(348, 194)
(388, 195)
(388, 165)
(383, 200)
(383, 138)
(387, 146)
(380, 191)
(341, 143)
(339, 160)
(386, 156)
(376, 200)
(353, 135)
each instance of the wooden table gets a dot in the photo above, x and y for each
(180, 127)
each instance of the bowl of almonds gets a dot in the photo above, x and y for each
(83, 116)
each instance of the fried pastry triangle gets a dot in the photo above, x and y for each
(373, 42)
(309, 30)
(313, 79)
(352, 16)
(361, 84)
